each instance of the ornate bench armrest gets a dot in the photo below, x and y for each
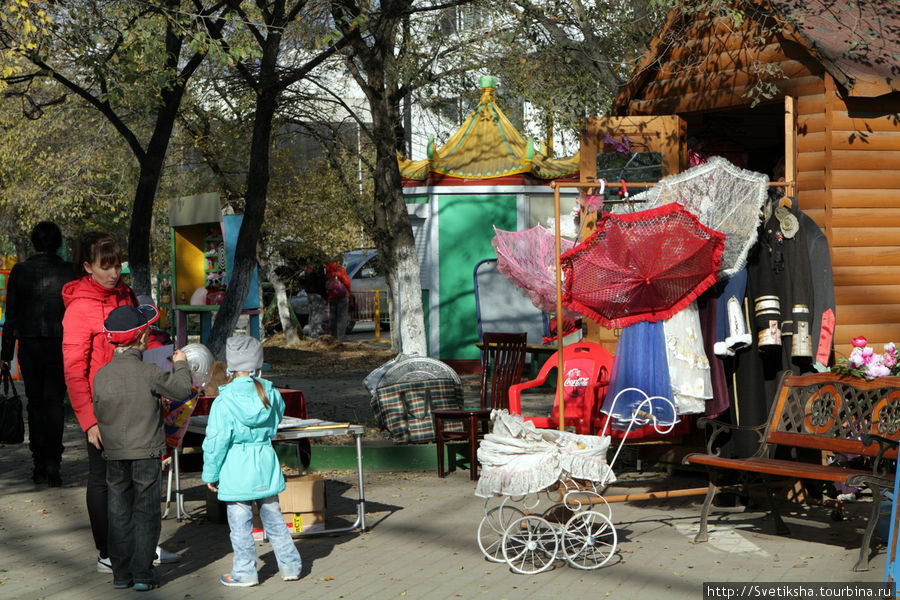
(871, 481)
(718, 427)
(884, 444)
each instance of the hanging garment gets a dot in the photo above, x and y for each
(731, 321)
(641, 363)
(688, 366)
(719, 403)
(780, 296)
(782, 285)
(752, 376)
(822, 327)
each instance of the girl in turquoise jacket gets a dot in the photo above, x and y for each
(240, 464)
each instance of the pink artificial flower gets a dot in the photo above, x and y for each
(856, 358)
(859, 342)
(868, 355)
(877, 370)
(890, 360)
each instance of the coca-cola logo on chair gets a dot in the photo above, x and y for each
(574, 379)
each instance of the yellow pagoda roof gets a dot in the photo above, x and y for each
(487, 146)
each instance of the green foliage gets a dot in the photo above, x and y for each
(310, 214)
(80, 177)
(569, 58)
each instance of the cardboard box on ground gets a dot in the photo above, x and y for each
(303, 503)
(302, 506)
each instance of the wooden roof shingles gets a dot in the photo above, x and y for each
(856, 41)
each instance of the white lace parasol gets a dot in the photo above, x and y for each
(722, 196)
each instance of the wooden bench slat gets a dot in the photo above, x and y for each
(806, 440)
(775, 466)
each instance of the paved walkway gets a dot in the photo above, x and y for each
(421, 543)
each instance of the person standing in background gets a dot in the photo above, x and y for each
(314, 286)
(337, 288)
(34, 314)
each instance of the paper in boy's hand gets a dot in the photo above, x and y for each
(161, 356)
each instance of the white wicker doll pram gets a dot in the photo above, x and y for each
(550, 488)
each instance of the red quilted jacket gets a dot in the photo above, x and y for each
(85, 347)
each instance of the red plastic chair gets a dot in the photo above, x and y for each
(586, 367)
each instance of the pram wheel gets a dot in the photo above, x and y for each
(530, 545)
(589, 540)
(492, 527)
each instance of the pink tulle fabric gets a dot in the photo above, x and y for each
(527, 259)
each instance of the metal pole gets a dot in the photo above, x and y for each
(361, 504)
(560, 376)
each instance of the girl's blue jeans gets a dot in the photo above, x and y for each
(240, 517)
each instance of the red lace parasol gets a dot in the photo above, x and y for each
(643, 266)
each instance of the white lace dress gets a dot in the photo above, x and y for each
(688, 366)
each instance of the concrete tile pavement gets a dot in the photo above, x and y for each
(421, 544)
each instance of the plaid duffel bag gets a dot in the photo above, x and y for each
(404, 409)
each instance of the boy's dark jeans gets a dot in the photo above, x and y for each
(134, 518)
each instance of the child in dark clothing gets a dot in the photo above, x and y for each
(128, 409)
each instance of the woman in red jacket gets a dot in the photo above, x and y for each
(88, 301)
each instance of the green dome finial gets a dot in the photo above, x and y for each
(487, 81)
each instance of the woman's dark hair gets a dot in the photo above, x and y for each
(46, 237)
(96, 246)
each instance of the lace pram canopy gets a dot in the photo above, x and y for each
(518, 459)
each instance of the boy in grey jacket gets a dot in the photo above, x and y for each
(127, 404)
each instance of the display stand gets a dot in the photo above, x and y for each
(203, 248)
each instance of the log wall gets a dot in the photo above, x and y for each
(847, 156)
(863, 139)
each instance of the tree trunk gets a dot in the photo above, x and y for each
(397, 241)
(254, 202)
(145, 194)
(153, 159)
(288, 325)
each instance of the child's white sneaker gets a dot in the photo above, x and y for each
(230, 581)
(290, 577)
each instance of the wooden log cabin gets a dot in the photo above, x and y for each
(830, 73)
